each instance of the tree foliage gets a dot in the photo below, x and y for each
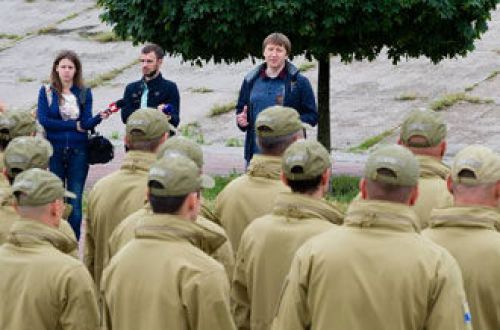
(230, 31)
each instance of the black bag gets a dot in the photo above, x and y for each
(100, 149)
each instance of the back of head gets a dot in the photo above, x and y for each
(14, 124)
(304, 164)
(277, 127)
(26, 152)
(391, 173)
(171, 179)
(423, 130)
(475, 173)
(145, 129)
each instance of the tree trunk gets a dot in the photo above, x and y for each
(324, 102)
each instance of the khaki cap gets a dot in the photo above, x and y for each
(304, 160)
(392, 164)
(19, 123)
(481, 161)
(278, 121)
(27, 152)
(177, 175)
(38, 187)
(146, 125)
(425, 123)
(187, 148)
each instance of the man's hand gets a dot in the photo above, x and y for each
(242, 117)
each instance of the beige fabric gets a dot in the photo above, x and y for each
(433, 191)
(42, 288)
(376, 272)
(112, 199)
(266, 251)
(175, 285)
(125, 232)
(249, 196)
(470, 235)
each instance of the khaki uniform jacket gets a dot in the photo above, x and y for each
(433, 191)
(376, 272)
(470, 235)
(249, 196)
(112, 199)
(42, 287)
(125, 232)
(8, 215)
(266, 251)
(163, 280)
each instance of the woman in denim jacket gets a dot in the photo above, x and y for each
(65, 112)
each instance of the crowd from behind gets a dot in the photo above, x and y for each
(418, 249)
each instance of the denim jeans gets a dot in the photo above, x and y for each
(71, 165)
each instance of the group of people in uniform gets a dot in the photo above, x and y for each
(419, 247)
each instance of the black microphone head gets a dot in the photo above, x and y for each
(120, 103)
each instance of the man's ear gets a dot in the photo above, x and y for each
(362, 189)
(413, 196)
(449, 184)
(283, 178)
(125, 140)
(443, 145)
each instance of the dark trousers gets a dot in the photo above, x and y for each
(71, 165)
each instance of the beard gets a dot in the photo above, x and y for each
(151, 74)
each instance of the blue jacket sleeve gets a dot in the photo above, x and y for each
(308, 110)
(127, 107)
(243, 99)
(86, 120)
(175, 103)
(48, 123)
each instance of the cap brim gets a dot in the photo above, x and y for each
(207, 181)
(69, 194)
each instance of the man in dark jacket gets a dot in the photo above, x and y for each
(152, 91)
(274, 82)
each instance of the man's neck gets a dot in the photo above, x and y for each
(147, 78)
(274, 72)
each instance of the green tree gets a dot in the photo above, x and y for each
(232, 30)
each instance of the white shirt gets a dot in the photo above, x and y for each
(69, 107)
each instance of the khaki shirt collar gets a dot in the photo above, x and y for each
(173, 228)
(301, 206)
(6, 196)
(466, 216)
(138, 160)
(265, 166)
(432, 167)
(382, 214)
(27, 232)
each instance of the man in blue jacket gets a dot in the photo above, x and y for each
(152, 91)
(274, 82)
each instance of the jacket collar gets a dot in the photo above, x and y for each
(27, 232)
(432, 167)
(153, 81)
(265, 166)
(374, 213)
(291, 70)
(138, 160)
(302, 207)
(169, 227)
(466, 216)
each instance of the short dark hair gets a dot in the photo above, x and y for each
(387, 192)
(279, 39)
(304, 186)
(153, 48)
(275, 145)
(148, 146)
(164, 204)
